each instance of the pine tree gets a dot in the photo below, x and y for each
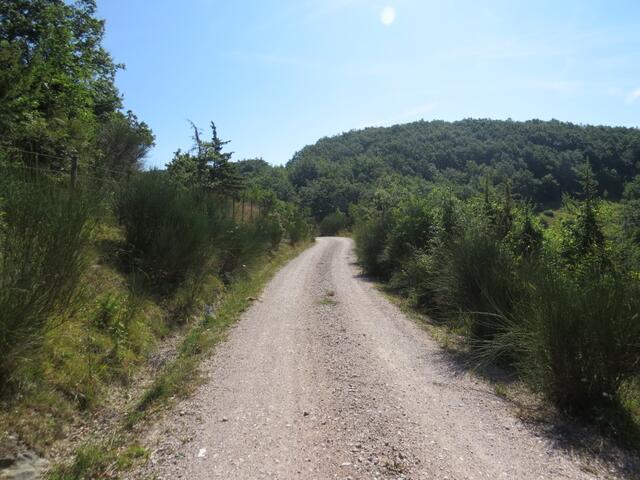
(208, 167)
(591, 238)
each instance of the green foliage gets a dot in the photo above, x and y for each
(561, 306)
(412, 226)
(56, 80)
(584, 237)
(476, 279)
(94, 460)
(44, 232)
(371, 241)
(333, 223)
(167, 228)
(209, 168)
(261, 176)
(525, 238)
(123, 142)
(579, 337)
(539, 160)
(297, 224)
(631, 212)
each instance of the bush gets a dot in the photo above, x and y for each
(333, 223)
(296, 225)
(416, 280)
(240, 245)
(168, 229)
(371, 240)
(560, 305)
(476, 277)
(270, 228)
(412, 227)
(44, 232)
(579, 338)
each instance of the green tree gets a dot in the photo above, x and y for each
(123, 141)
(208, 167)
(56, 79)
(584, 238)
(631, 210)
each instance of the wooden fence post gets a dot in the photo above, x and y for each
(74, 171)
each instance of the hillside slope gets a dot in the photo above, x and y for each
(538, 158)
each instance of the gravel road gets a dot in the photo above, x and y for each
(324, 378)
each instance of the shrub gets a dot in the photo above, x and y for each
(412, 228)
(333, 223)
(296, 225)
(168, 229)
(476, 276)
(525, 237)
(416, 280)
(371, 240)
(240, 245)
(44, 232)
(579, 338)
(270, 228)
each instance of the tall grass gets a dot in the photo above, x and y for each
(578, 337)
(168, 229)
(477, 280)
(44, 232)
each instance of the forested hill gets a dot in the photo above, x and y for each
(538, 158)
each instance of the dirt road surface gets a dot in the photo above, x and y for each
(323, 378)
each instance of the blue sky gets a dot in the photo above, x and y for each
(277, 75)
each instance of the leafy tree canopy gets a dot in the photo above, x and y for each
(540, 160)
(56, 79)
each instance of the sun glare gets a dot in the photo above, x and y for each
(388, 15)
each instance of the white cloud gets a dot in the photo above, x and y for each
(633, 96)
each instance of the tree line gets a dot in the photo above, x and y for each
(539, 159)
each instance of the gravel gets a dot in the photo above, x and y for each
(324, 378)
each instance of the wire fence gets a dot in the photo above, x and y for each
(100, 180)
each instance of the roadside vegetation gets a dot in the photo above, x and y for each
(102, 262)
(520, 238)
(558, 306)
(523, 237)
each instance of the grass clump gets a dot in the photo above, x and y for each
(579, 337)
(44, 234)
(100, 461)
